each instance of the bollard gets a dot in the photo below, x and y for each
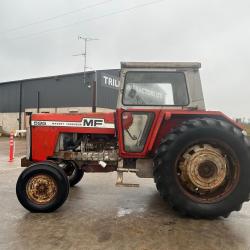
(11, 153)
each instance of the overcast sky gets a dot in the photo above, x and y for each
(38, 38)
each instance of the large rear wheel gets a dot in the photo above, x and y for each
(202, 168)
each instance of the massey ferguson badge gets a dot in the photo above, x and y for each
(86, 123)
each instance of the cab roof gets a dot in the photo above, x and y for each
(194, 65)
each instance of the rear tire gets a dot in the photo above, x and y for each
(204, 187)
(42, 187)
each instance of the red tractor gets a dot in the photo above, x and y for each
(199, 159)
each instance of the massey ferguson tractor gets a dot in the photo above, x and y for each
(200, 160)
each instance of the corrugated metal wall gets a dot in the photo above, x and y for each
(9, 97)
(59, 91)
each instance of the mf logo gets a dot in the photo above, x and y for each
(92, 122)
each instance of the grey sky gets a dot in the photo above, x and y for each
(216, 33)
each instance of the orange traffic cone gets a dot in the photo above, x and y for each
(11, 152)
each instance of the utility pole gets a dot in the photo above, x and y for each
(84, 54)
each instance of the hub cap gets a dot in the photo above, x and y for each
(205, 172)
(204, 167)
(41, 189)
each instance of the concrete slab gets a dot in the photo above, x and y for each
(98, 215)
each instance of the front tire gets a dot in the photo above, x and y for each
(202, 168)
(42, 187)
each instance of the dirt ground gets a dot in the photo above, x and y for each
(98, 215)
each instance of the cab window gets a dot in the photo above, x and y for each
(155, 89)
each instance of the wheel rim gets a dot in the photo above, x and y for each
(41, 189)
(207, 173)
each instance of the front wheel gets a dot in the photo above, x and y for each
(73, 172)
(42, 187)
(202, 168)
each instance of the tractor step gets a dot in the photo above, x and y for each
(132, 170)
(123, 184)
(119, 180)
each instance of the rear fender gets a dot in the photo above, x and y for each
(174, 119)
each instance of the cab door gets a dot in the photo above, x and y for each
(146, 90)
(136, 119)
(137, 130)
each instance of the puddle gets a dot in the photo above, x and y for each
(126, 211)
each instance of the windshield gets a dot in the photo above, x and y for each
(155, 88)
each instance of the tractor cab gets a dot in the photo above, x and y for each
(148, 90)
